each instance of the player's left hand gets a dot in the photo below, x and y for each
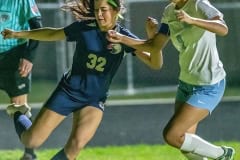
(182, 16)
(25, 67)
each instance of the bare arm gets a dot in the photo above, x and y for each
(154, 61)
(215, 25)
(42, 34)
(148, 51)
(153, 46)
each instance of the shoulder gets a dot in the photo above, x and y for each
(83, 25)
(86, 24)
(208, 9)
(169, 7)
(168, 13)
(125, 31)
(203, 4)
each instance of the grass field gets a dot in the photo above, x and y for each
(133, 152)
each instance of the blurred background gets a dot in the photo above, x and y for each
(133, 77)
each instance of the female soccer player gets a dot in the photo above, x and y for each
(192, 26)
(83, 89)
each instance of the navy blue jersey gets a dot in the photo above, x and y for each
(95, 60)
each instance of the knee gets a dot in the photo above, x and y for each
(167, 136)
(173, 137)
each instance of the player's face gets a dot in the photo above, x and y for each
(105, 15)
(179, 3)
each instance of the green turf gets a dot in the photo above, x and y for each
(131, 152)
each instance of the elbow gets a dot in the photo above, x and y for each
(224, 32)
(157, 62)
(157, 66)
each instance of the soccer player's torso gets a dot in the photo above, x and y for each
(96, 60)
(94, 54)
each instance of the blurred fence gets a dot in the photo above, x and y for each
(54, 58)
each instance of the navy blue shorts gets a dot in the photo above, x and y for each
(65, 99)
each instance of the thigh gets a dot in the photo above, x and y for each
(193, 128)
(43, 125)
(86, 121)
(85, 124)
(187, 117)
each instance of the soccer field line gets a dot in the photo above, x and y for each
(129, 102)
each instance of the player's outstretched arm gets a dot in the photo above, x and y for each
(42, 34)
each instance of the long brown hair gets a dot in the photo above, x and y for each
(84, 9)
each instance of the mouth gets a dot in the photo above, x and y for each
(101, 19)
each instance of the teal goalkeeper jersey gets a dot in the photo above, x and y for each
(14, 14)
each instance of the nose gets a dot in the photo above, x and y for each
(99, 12)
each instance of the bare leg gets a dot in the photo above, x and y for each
(85, 124)
(193, 129)
(19, 100)
(187, 117)
(45, 122)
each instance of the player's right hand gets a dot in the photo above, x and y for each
(151, 27)
(8, 33)
(114, 36)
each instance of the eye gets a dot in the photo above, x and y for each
(103, 10)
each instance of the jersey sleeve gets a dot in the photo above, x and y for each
(208, 9)
(71, 31)
(164, 27)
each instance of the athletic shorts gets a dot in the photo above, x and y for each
(10, 80)
(201, 96)
(65, 99)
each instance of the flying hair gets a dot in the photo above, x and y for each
(80, 9)
(84, 9)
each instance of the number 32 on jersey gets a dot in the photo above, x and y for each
(95, 62)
